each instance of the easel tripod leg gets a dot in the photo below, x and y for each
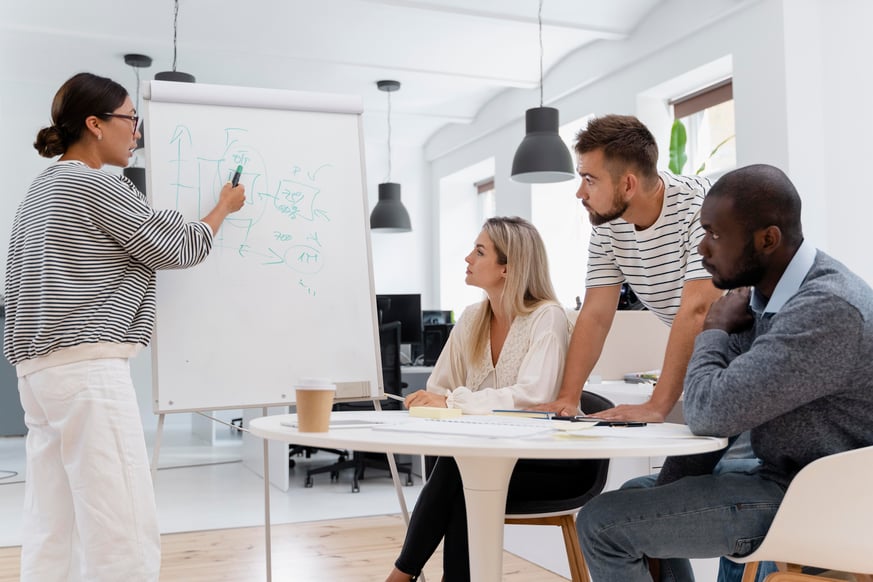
(268, 543)
(158, 434)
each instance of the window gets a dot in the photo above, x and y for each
(708, 116)
(487, 202)
(465, 201)
(564, 226)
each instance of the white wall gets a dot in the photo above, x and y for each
(402, 261)
(830, 120)
(18, 112)
(460, 224)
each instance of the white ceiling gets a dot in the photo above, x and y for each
(451, 56)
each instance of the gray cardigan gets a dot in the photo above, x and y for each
(801, 379)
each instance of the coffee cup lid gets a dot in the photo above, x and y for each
(315, 384)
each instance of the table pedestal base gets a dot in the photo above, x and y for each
(486, 481)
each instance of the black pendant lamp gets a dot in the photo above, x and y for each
(136, 174)
(542, 156)
(389, 214)
(174, 75)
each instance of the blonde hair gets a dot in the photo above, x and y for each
(519, 246)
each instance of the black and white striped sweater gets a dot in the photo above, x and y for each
(83, 253)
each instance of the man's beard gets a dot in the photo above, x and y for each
(747, 273)
(619, 207)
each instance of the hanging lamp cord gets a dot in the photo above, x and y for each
(540, 23)
(136, 104)
(176, 29)
(138, 112)
(389, 136)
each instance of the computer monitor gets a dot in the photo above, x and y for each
(405, 308)
(435, 337)
(434, 317)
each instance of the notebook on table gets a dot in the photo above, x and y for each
(479, 426)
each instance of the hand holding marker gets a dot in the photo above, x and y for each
(232, 196)
(235, 180)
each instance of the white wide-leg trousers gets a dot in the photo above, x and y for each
(89, 505)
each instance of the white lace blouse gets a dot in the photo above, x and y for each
(528, 370)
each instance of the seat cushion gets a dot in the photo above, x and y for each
(547, 485)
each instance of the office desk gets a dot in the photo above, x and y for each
(486, 463)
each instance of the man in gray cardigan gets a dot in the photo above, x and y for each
(789, 359)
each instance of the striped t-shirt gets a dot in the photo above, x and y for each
(656, 261)
(84, 248)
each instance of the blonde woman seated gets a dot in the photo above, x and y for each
(505, 352)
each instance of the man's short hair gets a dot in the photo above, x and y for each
(762, 196)
(626, 144)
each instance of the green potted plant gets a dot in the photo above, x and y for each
(678, 143)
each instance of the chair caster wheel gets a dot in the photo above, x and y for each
(409, 481)
(334, 477)
(356, 489)
(308, 483)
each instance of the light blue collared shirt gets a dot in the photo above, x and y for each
(788, 283)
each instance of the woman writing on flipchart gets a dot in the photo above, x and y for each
(505, 352)
(80, 301)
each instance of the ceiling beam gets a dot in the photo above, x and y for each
(431, 114)
(600, 32)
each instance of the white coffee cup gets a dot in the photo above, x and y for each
(314, 401)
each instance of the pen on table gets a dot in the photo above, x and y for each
(395, 397)
(235, 180)
(601, 422)
(574, 418)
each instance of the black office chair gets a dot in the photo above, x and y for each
(389, 348)
(307, 452)
(578, 480)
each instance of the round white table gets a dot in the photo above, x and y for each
(486, 463)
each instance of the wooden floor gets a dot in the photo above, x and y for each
(352, 550)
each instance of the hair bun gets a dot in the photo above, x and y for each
(50, 142)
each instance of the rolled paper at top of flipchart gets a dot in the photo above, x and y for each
(231, 96)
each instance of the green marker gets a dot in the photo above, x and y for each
(235, 181)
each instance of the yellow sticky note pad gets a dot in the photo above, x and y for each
(434, 412)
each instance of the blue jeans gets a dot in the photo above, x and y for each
(695, 517)
(740, 459)
(732, 572)
(728, 571)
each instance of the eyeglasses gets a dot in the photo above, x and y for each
(133, 118)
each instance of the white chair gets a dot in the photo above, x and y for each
(825, 521)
